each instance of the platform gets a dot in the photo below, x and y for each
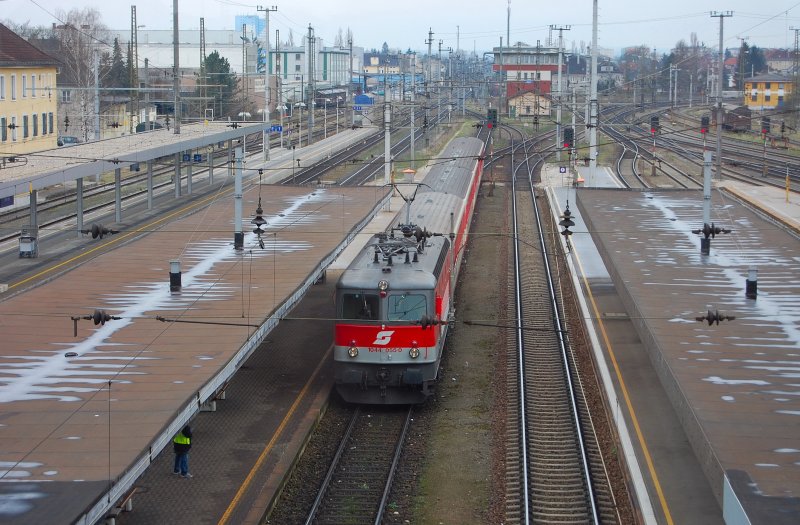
(83, 416)
(733, 384)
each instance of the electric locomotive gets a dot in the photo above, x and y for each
(394, 301)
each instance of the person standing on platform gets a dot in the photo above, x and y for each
(181, 444)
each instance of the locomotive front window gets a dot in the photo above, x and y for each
(407, 307)
(360, 306)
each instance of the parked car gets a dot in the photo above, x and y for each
(67, 141)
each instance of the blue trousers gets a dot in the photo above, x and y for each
(181, 463)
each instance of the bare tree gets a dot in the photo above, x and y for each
(290, 43)
(79, 37)
(26, 30)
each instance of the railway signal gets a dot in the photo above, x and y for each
(704, 121)
(569, 137)
(765, 125)
(654, 125)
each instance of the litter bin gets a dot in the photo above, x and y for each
(28, 242)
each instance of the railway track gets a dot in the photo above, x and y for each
(554, 461)
(356, 487)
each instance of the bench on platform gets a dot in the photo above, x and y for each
(125, 504)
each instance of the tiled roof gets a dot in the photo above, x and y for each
(16, 51)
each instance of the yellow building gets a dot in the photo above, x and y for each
(529, 104)
(767, 91)
(28, 98)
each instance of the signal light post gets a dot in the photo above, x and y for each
(654, 127)
(569, 139)
(704, 122)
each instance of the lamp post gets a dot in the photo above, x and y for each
(300, 105)
(338, 99)
(282, 108)
(325, 118)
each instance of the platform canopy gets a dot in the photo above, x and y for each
(33, 171)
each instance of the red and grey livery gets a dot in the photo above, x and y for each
(394, 301)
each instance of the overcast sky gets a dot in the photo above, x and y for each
(481, 24)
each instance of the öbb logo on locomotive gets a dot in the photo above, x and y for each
(383, 338)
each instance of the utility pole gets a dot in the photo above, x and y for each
(310, 84)
(502, 79)
(134, 62)
(559, 96)
(429, 41)
(203, 65)
(413, 104)
(350, 81)
(593, 109)
(720, 112)
(97, 97)
(508, 24)
(146, 95)
(176, 76)
(796, 69)
(439, 86)
(265, 132)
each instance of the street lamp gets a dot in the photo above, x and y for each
(292, 164)
(338, 99)
(300, 105)
(282, 109)
(325, 118)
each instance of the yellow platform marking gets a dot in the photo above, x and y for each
(271, 444)
(625, 395)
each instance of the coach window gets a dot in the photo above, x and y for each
(360, 306)
(407, 307)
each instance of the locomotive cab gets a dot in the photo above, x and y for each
(387, 334)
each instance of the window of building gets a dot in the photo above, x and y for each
(13, 87)
(24, 86)
(24, 126)
(50, 122)
(35, 125)
(44, 124)
(14, 128)
(66, 96)
(297, 56)
(2, 87)
(767, 85)
(3, 130)
(33, 85)
(766, 98)
(297, 68)
(753, 97)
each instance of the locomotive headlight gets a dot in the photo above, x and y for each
(413, 353)
(352, 351)
(383, 285)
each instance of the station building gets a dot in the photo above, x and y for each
(770, 91)
(28, 97)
